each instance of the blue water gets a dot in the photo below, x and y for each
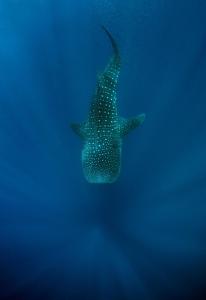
(143, 237)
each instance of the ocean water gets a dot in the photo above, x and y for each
(144, 236)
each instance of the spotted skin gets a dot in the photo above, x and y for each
(102, 133)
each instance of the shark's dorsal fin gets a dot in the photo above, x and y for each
(79, 129)
(127, 125)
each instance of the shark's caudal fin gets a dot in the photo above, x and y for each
(116, 57)
(127, 125)
(114, 45)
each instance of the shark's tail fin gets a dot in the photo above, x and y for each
(114, 45)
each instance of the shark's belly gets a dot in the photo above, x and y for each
(101, 163)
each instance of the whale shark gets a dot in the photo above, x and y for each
(103, 131)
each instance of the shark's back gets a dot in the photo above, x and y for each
(103, 110)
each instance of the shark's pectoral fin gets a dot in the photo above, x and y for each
(79, 129)
(127, 125)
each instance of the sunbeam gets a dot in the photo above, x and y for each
(142, 237)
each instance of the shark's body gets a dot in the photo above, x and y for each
(103, 131)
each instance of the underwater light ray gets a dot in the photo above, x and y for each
(172, 156)
(179, 215)
(174, 84)
(169, 254)
(111, 285)
(36, 273)
(148, 194)
(138, 257)
(17, 180)
(31, 126)
(174, 235)
(191, 165)
(174, 258)
(140, 285)
(151, 217)
(36, 146)
(148, 260)
(54, 249)
(25, 65)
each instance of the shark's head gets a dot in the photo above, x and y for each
(101, 161)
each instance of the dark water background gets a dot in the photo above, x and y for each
(143, 237)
